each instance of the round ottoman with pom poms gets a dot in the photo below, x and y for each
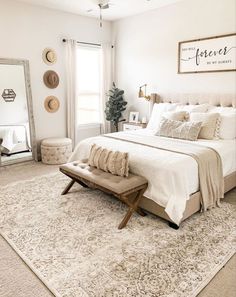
(56, 150)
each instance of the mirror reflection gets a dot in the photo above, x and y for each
(15, 139)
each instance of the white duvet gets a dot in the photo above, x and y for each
(7, 135)
(13, 135)
(172, 177)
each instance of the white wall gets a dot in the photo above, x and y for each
(25, 30)
(147, 49)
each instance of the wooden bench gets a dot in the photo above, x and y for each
(128, 189)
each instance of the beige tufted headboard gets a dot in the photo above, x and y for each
(197, 98)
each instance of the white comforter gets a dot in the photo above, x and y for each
(172, 177)
(12, 135)
(7, 135)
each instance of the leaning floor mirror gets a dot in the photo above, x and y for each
(17, 132)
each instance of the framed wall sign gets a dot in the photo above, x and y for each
(211, 54)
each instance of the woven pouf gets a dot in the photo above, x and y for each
(56, 150)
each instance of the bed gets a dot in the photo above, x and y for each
(165, 169)
(14, 138)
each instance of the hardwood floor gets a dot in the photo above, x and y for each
(17, 280)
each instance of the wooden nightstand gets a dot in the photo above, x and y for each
(133, 126)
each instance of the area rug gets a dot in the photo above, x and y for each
(73, 245)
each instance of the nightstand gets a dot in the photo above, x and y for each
(133, 126)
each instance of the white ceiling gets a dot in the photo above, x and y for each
(118, 8)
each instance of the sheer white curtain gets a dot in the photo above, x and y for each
(107, 79)
(71, 89)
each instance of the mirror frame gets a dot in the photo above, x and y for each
(25, 64)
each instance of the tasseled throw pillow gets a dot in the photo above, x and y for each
(114, 162)
(181, 130)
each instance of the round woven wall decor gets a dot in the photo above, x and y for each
(51, 79)
(51, 104)
(49, 56)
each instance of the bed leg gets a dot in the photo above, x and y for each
(173, 225)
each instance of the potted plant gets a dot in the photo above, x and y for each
(115, 106)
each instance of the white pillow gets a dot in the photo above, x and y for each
(227, 122)
(227, 128)
(157, 112)
(176, 115)
(193, 108)
(209, 123)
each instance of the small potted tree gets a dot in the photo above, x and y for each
(115, 106)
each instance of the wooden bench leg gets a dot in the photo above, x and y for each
(68, 187)
(126, 218)
(71, 183)
(82, 184)
(133, 207)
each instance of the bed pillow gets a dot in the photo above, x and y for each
(209, 124)
(177, 129)
(114, 162)
(176, 115)
(227, 122)
(227, 127)
(157, 112)
(193, 107)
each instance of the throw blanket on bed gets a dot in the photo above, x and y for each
(210, 170)
(172, 177)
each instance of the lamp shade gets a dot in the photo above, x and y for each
(140, 93)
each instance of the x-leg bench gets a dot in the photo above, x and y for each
(129, 189)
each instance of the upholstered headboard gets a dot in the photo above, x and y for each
(197, 98)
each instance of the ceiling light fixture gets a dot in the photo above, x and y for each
(101, 5)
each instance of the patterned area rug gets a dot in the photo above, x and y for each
(72, 242)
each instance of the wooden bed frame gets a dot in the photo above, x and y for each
(193, 204)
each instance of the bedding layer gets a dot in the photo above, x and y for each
(172, 177)
(14, 137)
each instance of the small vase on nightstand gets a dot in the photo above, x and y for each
(144, 120)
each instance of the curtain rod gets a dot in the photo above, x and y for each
(96, 44)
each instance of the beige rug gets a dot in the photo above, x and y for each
(72, 243)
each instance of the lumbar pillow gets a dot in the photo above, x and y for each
(114, 162)
(177, 129)
(209, 124)
(176, 115)
(157, 112)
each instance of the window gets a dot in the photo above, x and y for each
(89, 84)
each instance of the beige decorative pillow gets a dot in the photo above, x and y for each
(115, 162)
(209, 123)
(176, 115)
(177, 129)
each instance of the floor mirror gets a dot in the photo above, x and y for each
(17, 131)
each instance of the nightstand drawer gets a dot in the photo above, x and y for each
(127, 127)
